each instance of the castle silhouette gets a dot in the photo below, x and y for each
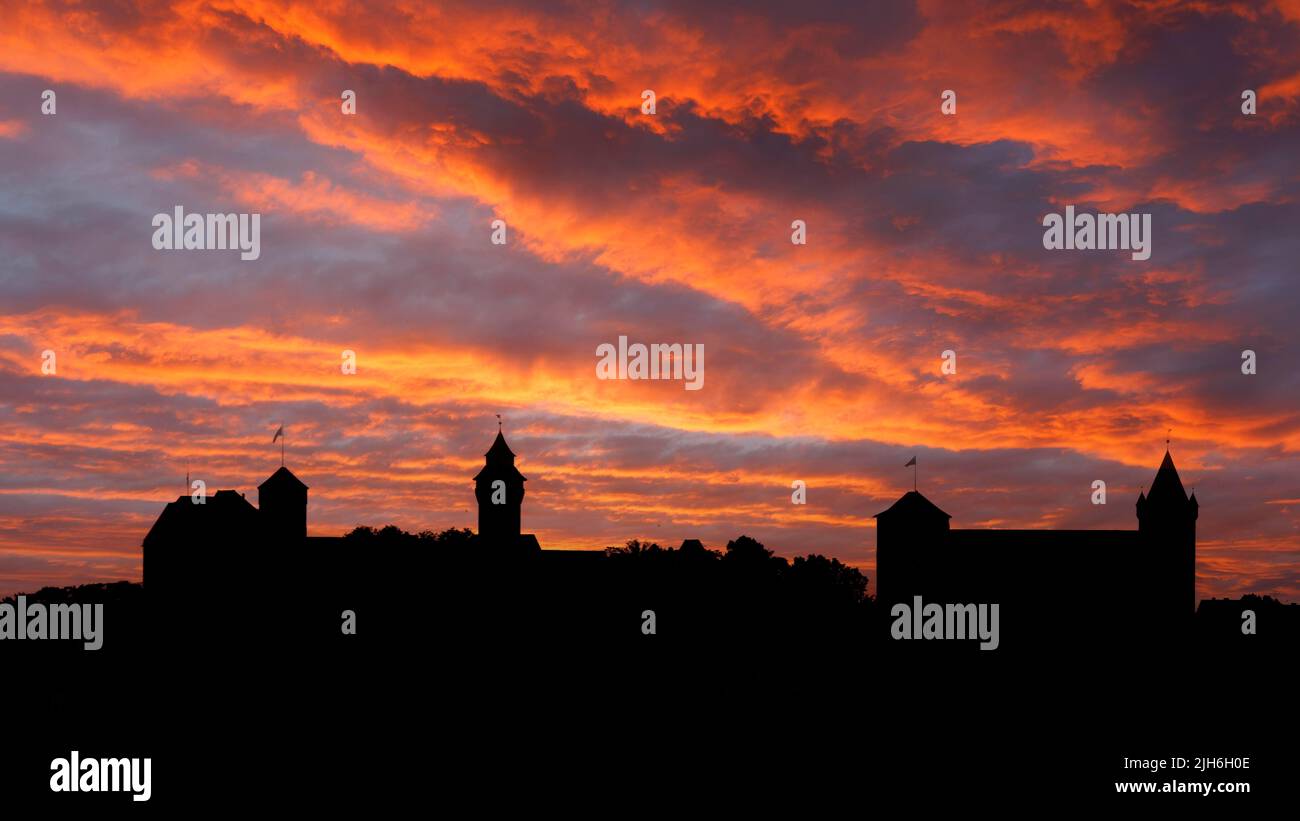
(240, 614)
(1143, 581)
(280, 516)
(182, 547)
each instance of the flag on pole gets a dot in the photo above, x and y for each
(278, 433)
(910, 462)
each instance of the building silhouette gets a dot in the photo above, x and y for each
(1052, 586)
(499, 489)
(189, 543)
(181, 547)
(1167, 523)
(1127, 583)
(282, 501)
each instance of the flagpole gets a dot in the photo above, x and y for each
(913, 474)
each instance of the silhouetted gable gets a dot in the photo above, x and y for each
(230, 500)
(222, 512)
(912, 506)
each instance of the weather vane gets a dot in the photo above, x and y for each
(498, 423)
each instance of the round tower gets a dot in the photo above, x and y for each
(499, 488)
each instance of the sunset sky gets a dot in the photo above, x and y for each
(822, 361)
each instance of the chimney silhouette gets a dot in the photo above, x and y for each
(282, 505)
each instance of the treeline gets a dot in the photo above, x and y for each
(96, 592)
(688, 594)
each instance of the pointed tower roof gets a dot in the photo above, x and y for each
(499, 448)
(283, 476)
(499, 462)
(1167, 487)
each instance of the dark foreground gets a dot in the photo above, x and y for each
(509, 683)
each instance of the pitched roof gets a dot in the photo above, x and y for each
(223, 513)
(913, 504)
(282, 476)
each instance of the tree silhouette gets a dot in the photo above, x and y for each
(634, 547)
(747, 551)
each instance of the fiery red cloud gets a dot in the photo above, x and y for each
(924, 235)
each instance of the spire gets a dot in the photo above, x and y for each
(499, 461)
(1166, 498)
(1167, 487)
(499, 448)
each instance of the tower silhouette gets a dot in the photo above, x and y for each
(282, 501)
(499, 504)
(905, 533)
(1042, 579)
(1167, 522)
